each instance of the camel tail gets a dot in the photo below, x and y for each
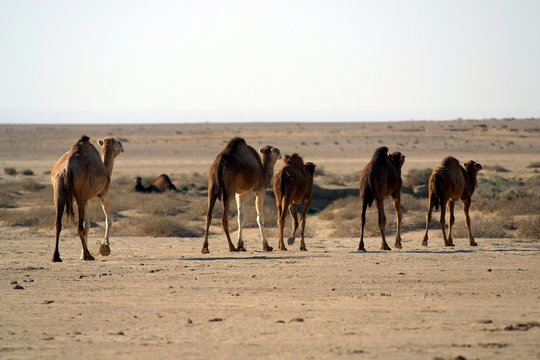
(219, 184)
(367, 194)
(435, 190)
(68, 194)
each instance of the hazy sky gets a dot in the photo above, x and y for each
(404, 58)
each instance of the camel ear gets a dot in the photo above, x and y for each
(100, 142)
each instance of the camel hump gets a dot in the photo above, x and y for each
(450, 161)
(293, 159)
(83, 139)
(234, 143)
(310, 168)
(380, 154)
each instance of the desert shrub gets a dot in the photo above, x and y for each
(496, 168)
(7, 201)
(534, 164)
(31, 185)
(160, 226)
(482, 227)
(417, 177)
(27, 172)
(10, 171)
(38, 217)
(529, 227)
(409, 203)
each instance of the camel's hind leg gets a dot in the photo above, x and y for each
(84, 228)
(282, 214)
(225, 221)
(104, 248)
(211, 203)
(239, 207)
(60, 204)
(305, 209)
(428, 218)
(399, 217)
(451, 204)
(466, 208)
(259, 203)
(382, 224)
(294, 215)
(363, 219)
(442, 221)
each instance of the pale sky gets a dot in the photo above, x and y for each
(379, 60)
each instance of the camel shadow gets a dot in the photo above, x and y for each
(446, 251)
(262, 257)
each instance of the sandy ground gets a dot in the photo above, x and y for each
(161, 298)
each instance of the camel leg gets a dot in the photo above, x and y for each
(104, 248)
(239, 203)
(259, 204)
(451, 204)
(294, 215)
(399, 217)
(363, 217)
(305, 209)
(225, 221)
(211, 202)
(442, 221)
(382, 224)
(60, 204)
(83, 232)
(428, 218)
(282, 214)
(466, 208)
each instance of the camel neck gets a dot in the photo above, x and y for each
(268, 167)
(108, 159)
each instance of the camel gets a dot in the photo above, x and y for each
(381, 178)
(237, 171)
(448, 183)
(293, 184)
(82, 174)
(160, 184)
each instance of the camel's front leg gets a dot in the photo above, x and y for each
(104, 248)
(399, 217)
(451, 204)
(84, 227)
(305, 209)
(239, 205)
(259, 204)
(466, 208)
(382, 224)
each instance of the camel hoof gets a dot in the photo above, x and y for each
(283, 249)
(398, 246)
(385, 247)
(233, 249)
(104, 250)
(303, 249)
(362, 249)
(205, 251)
(88, 258)
(56, 259)
(424, 243)
(241, 249)
(268, 248)
(290, 240)
(473, 243)
(449, 244)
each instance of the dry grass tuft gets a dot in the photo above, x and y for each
(10, 171)
(529, 227)
(160, 226)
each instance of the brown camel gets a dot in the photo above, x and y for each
(237, 171)
(447, 184)
(160, 184)
(82, 174)
(381, 178)
(293, 184)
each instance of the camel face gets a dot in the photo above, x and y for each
(270, 151)
(116, 145)
(397, 159)
(473, 166)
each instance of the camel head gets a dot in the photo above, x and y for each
(397, 159)
(138, 180)
(473, 167)
(310, 168)
(113, 144)
(271, 153)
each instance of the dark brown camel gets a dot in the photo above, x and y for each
(160, 184)
(293, 184)
(382, 178)
(449, 183)
(82, 174)
(237, 171)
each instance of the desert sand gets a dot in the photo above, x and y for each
(159, 297)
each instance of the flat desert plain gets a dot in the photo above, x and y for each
(158, 297)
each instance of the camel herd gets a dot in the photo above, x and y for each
(82, 174)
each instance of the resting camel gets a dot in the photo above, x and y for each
(447, 184)
(236, 171)
(293, 184)
(381, 178)
(160, 184)
(82, 174)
